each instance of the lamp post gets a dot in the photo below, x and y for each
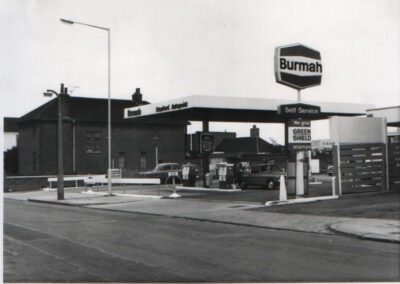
(155, 139)
(60, 169)
(109, 96)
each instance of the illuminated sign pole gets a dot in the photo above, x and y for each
(299, 67)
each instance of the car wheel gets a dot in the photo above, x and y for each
(243, 185)
(270, 184)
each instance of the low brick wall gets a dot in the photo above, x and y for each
(25, 183)
(130, 173)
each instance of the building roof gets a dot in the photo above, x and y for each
(11, 124)
(392, 114)
(245, 145)
(86, 110)
(235, 109)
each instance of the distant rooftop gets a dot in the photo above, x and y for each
(245, 145)
(11, 124)
(88, 110)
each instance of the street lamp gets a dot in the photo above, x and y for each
(60, 170)
(155, 139)
(109, 96)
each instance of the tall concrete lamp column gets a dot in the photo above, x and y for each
(60, 169)
(109, 95)
(155, 139)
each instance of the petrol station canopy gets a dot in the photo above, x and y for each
(235, 109)
(392, 114)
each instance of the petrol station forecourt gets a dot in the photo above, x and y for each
(299, 67)
(296, 66)
(234, 109)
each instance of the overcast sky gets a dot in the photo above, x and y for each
(176, 48)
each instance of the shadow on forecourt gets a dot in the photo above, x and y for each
(250, 195)
(383, 205)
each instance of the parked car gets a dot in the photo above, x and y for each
(264, 175)
(161, 171)
(329, 170)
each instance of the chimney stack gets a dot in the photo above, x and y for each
(255, 131)
(137, 97)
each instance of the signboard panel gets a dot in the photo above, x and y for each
(298, 66)
(357, 130)
(299, 110)
(299, 135)
(206, 142)
(116, 173)
(159, 108)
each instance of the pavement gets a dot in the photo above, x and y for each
(234, 212)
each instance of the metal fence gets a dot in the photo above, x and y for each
(394, 164)
(360, 167)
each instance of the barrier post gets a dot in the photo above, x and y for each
(386, 155)
(333, 186)
(339, 172)
(173, 175)
(299, 173)
(282, 189)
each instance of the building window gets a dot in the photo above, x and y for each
(121, 160)
(143, 161)
(93, 142)
(156, 134)
(35, 161)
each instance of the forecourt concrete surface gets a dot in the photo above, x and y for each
(49, 243)
(240, 213)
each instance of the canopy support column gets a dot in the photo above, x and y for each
(206, 158)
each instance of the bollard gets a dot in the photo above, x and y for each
(282, 189)
(333, 186)
(173, 195)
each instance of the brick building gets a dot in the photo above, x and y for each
(85, 143)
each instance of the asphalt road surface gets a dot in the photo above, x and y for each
(51, 243)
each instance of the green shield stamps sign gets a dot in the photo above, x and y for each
(299, 135)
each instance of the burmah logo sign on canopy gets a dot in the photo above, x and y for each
(298, 66)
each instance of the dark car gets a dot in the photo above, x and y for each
(264, 175)
(162, 171)
(329, 170)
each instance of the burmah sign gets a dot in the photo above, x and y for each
(298, 66)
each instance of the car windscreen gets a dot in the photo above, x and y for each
(270, 168)
(159, 168)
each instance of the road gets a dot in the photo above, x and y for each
(52, 243)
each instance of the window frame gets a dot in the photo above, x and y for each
(93, 143)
